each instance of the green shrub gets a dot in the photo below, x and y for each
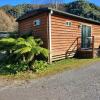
(13, 69)
(22, 51)
(39, 66)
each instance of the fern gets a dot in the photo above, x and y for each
(24, 50)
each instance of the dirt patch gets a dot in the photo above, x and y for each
(5, 82)
(9, 82)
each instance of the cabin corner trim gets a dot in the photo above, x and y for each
(49, 38)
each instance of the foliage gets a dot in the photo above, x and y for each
(79, 7)
(13, 68)
(56, 67)
(40, 66)
(21, 51)
(31, 48)
(84, 8)
(18, 10)
(7, 22)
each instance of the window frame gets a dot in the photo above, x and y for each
(37, 22)
(68, 23)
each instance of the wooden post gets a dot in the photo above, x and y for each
(77, 43)
(93, 46)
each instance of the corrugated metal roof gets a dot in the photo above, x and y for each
(40, 10)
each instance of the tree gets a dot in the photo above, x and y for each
(7, 22)
(84, 8)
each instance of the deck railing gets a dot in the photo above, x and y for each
(91, 47)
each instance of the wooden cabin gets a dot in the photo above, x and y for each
(64, 34)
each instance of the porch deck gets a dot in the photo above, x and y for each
(90, 52)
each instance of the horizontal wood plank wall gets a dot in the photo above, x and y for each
(96, 33)
(27, 25)
(63, 36)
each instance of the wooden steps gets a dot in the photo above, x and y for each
(85, 53)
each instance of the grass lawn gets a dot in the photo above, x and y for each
(56, 67)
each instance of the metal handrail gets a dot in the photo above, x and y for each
(80, 42)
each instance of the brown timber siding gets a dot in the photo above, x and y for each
(96, 33)
(63, 36)
(41, 31)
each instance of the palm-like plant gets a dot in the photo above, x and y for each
(29, 48)
(6, 44)
(24, 48)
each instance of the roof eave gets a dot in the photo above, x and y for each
(48, 9)
(41, 10)
(75, 16)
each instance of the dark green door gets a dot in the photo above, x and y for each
(86, 34)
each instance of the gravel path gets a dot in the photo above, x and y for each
(81, 84)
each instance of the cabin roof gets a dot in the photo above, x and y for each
(41, 10)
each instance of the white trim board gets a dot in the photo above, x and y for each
(49, 40)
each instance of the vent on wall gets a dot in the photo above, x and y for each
(68, 23)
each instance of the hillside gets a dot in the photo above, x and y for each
(83, 8)
(78, 7)
(18, 10)
(7, 22)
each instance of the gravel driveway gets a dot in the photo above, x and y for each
(81, 84)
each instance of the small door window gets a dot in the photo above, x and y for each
(86, 36)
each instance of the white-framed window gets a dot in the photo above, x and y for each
(68, 23)
(37, 22)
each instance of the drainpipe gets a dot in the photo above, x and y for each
(49, 37)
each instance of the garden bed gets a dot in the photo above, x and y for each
(56, 67)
